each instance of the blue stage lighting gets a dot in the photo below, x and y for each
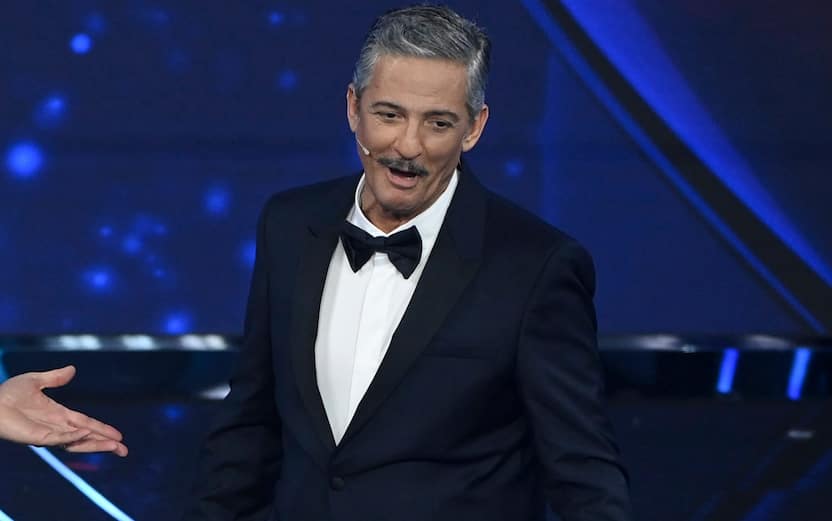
(727, 370)
(739, 180)
(81, 43)
(216, 201)
(144, 225)
(132, 245)
(95, 23)
(50, 112)
(276, 18)
(248, 252)
(105, 231)
(99, 279)
(514, 168)
(800, 366)
(24, 159)
(287, 80)
(177, 323)
(173, 413)
(78, 482)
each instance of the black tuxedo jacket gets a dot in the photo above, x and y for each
(486, 407)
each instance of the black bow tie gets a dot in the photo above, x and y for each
(404, 248)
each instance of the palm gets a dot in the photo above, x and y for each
(29, 416)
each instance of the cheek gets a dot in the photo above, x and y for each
(377, 136)
(443, 151)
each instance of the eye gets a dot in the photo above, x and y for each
(441, 124)
(387, 115)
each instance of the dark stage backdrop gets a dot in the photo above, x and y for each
(139, 140)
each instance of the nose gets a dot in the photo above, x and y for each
(408, 143)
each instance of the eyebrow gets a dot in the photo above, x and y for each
(431, 113)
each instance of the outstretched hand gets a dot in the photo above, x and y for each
(27, 415)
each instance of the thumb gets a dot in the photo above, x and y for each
(55, 377)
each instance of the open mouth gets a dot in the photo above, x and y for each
(403, 173)
(402, 179)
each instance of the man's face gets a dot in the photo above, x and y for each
(413, 119)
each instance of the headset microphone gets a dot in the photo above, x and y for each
(363, 148)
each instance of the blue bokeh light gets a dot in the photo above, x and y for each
(99, 279)
(248, 252)
(50, 111)
(177, 323)
(95, 23)
(148, 225)
(287, 80)
(173, 413)
(24, 159)
(105, 231)
(81, 43)
(132, 244)
(276, 18)
(514, 168)
(216, 200)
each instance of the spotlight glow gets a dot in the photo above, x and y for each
(216, 201)
(727, 370)
(276, 18)
(177, 323)
(800, 366)
(514, 168)
(50, 111)
(248, 251)
(81, 43)
(287, 80)
(24, 159)
(99, 279)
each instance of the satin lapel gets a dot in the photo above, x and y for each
(451, 265)
(309, 285)
(318, 245)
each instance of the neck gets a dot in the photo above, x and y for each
(388, 220)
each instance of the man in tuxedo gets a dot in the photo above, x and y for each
(416, 347)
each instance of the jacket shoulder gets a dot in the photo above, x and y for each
(518, 228)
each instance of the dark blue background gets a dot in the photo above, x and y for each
(135, 161)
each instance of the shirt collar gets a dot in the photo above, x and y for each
(428, 222)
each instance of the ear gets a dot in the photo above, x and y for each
(352, 107)
(475, 132)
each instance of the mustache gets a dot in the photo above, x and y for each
(404, 165)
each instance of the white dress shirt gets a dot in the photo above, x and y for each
(361, 310)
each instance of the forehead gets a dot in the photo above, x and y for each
(418, 83)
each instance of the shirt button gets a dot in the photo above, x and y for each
(337, 483)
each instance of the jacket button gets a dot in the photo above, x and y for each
(337, 483)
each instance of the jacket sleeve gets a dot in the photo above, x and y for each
(561, 384)
(241, 458)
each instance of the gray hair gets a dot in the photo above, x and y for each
(427, 31)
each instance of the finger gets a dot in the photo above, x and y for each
(93, 445)
(55, 377)
(62, 438)
(82, 421)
